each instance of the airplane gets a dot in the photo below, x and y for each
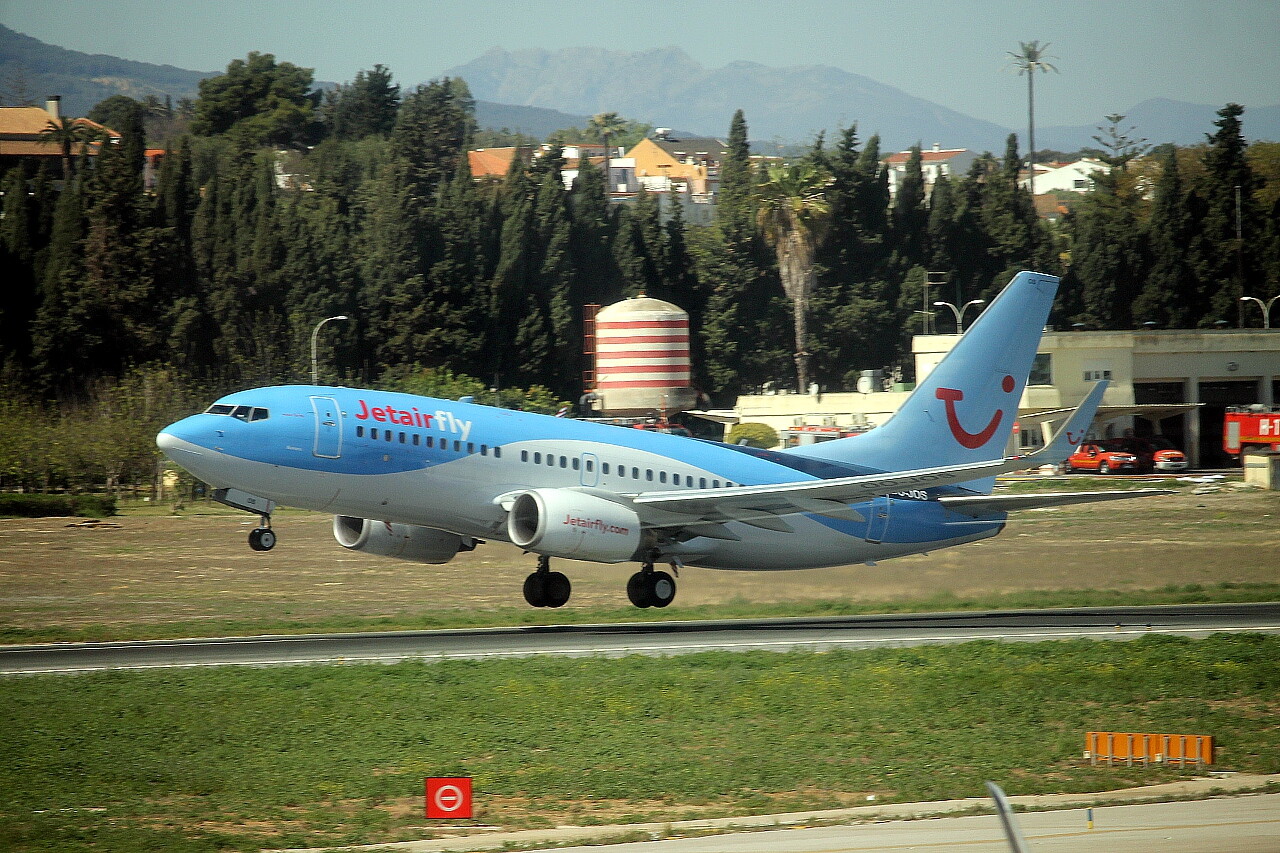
(423, 479)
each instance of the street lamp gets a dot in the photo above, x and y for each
(959, 312)
(315, 371)
(1265, 306)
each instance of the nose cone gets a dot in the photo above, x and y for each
(176, 440)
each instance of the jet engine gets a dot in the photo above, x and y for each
(402, 541)
(562, 523)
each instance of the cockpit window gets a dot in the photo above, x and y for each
(244, 413)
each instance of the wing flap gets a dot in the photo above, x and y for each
(978, 505)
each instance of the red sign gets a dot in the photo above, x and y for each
(448, 797)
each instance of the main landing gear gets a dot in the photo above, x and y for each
(648, 588)
(262, 537)
(545, 588)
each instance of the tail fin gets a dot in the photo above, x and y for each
(964, 410)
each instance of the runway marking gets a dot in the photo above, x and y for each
(744, 644)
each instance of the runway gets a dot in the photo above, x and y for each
(664, 638)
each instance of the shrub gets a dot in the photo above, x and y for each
(762, 436)
(29, 505)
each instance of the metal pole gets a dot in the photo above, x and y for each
(315, 369)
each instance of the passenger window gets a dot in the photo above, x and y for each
(484, 450)
(359, 432)
(387, 434)
(403, 438)
(431, 442)
(648, 474)
(524, 456)
(471, 448)
(497, 453)
(635, 473)
(715, 484)
(662, 476)
(702, 482)
(457, 446)
(591, 466)
(537, 458)
(373, 432)
(564, 463)
(417, 439)
(604, 467)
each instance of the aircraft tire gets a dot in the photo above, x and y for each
(535, 589)
(638, 590)
(661, 589)
(556, 589)
(262, 539)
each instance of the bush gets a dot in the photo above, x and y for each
(762, 436)
(40, 506)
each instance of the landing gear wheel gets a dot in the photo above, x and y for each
(556, 589)
(662, 589)
(535, 589)
(638, 590)
(262, 539)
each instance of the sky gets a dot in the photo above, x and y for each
(1109, 55)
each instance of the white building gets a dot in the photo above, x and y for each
(1074, 177)
(934, 162)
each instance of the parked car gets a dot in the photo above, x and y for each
(1098, 456)
(1158, 454)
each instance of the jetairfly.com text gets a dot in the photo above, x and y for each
(441, 420)
(597, 524)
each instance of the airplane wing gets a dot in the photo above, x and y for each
(706, 510)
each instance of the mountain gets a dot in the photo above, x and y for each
(1161, 120)
(31, 70)
(666, 87)
(537, 122)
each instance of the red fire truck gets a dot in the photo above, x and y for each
(1249, 428)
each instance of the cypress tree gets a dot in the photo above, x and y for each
(1170, 295)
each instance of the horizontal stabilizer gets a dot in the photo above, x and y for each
(979, 505)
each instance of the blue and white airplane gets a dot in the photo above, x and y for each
(423, 479)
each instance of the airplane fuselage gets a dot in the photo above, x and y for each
(452, 466)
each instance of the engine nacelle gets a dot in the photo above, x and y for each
(561, 523)
(402, 541)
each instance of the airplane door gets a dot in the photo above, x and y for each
(589, 468)
(328, 444)
(878, 522)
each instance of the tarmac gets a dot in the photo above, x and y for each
(482, 839)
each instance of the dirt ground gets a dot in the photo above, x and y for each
(152, 568)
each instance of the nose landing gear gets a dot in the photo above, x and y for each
(262, 537)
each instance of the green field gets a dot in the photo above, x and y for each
(303, 756)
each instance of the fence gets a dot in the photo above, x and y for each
(1132, 748)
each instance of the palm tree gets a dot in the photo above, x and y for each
(793, 212)
(606, 125)
(69, 133)
(1029, 59)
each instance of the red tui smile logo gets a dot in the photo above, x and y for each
(971, 440)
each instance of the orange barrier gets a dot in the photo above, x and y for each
(1131, 748)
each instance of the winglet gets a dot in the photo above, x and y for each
(1069, 435)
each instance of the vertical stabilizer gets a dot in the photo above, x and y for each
(964, 410)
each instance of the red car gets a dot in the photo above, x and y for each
(1103, 458)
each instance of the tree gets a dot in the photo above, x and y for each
(793, 211)
(1120, 147)
(71, 136)
(1030, 58)
(605, 125)
(431, 132)
(367, 106)
(1223, 246)
(1170, 295)
(259, 101)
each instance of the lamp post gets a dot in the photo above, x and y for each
(1265, 306)
(315, 370)
(959, 312)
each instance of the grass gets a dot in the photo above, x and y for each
(455, 618)
(304, 756)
